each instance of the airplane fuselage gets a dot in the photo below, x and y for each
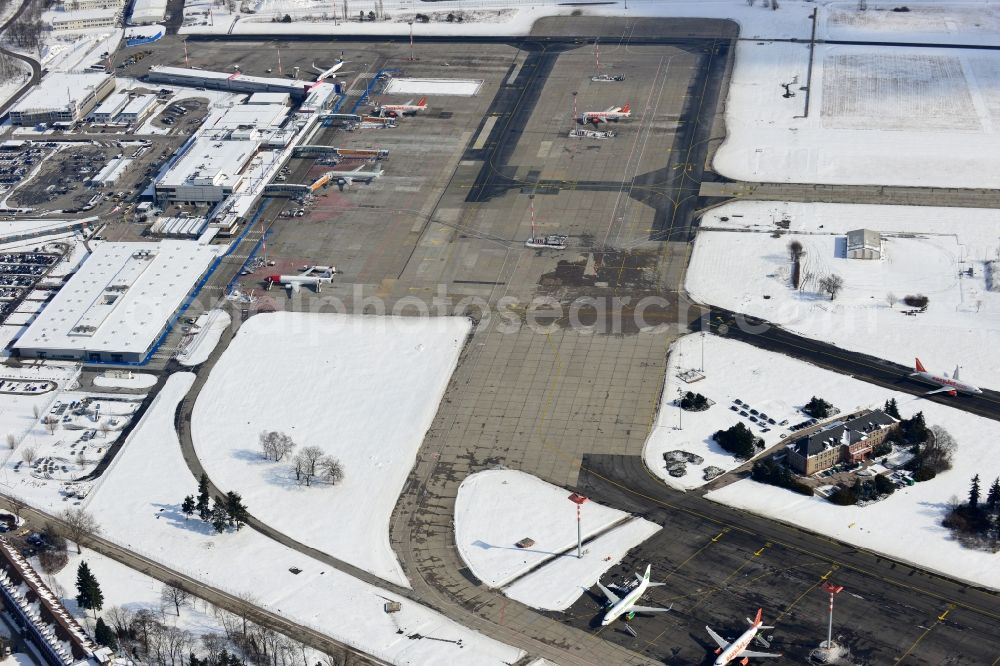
(622, 605)
(942, 382)
(737, 646)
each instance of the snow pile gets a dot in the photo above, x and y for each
(496, 509)
(202, 343)
(907, 525)
(456, 87)
(362, 389)
(926, 251)
(138, 504)
(137, 380)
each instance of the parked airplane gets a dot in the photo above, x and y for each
(406, 108)
(950, 385)
(315, 276)
(626, 605)
(324, 74)
(611, 113)
(737, 649)
(346, 178)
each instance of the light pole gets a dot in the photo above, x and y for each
(579, 500)
(703, 351)
(411, 40)
(832, 590)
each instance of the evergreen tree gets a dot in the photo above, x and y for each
(974, 494)
(915, 429)
(193, 660)
(88, 590)
(236, 509)
(993, 496)
(204, 500)
(104, 635)
(891, 408)
(188, 506)
(219, 517)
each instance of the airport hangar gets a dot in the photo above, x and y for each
(115, 308)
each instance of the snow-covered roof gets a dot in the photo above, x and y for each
(120, 299)
(268, 98)
(59, 90)
(210, 162)
(139, 104)
(112, 104)
(863, 238)
(200, 76)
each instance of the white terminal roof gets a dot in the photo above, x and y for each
(261, 116)
(210, 162)
(194, 75)
(269, 98)
(112, 104)
(58, 89)
(149, 9)
(85, 14)
(120, 299)
(139, 104)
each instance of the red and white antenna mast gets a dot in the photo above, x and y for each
(597, 57)
(280, 73)
(531, 199)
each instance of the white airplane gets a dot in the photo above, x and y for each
(346, 178)
(626, 605)
(737, 649)
(611, 113)
(405, 108)
(950, 385)
(314, 275)
(324, 74)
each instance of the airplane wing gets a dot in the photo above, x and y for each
(649, 609)
(318, 69)
(943, 389)
(598, 119)
(757, 655)
(612, 597)
(720, 641)
(293, 287)
(613, 109)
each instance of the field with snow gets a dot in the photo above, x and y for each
(926, 22)
(907, 525)
(497, 508)
(924, 250)
(878, 115)
(363, 389)
(137, 504)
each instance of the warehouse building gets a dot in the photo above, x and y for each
(106, 111)
(86, 19)
(62, 97)
(115, 308)
(137, 110)
(146, 12)
(209, 171)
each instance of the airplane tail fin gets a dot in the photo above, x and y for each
(920, 366)
(422, 101)
(756, 619)
(627, 108)
(955, 374)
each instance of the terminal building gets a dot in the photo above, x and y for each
(115, 308)
(62, 97)
(85, 19)
(319, 98)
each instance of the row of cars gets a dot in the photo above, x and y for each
(759, 418)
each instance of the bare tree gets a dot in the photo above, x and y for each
(807, 278)
(53, 560)
(174, 595)
(28, 455)
(891, 299)
(35, 411)
(16, 505)
(938, 449)
(795, 250)
(120, 619)
(331, 470)
(104, 428)
(78, 524)
(832, 284)
(275, 445)
(307, 463)
(11, 440)
(51, 423)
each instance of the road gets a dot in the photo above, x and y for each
(36, 68)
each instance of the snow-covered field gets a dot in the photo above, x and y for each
(363, 389)
(924, 247)
(18, 410)
(878, 115)
(931, 22)
(907, 525)
(137, 503)
(495, 509)
(456, 87)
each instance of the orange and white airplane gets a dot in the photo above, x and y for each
(406, 108)
(737, 649)
(950, 385)
(611, 113)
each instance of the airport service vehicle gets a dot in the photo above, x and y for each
(625, 605)
(736, 651)
(950, 385)
(611, 113)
